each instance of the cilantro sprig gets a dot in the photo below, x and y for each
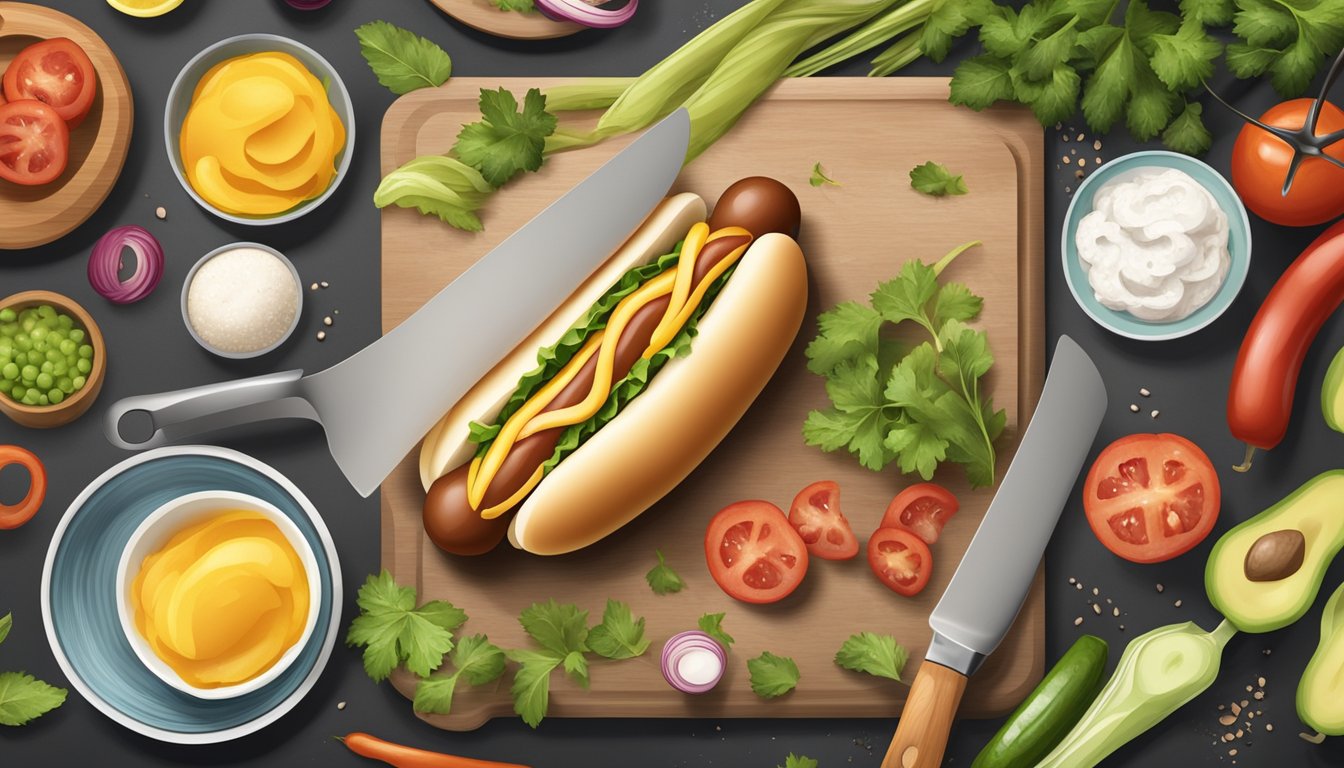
(24, 698)
(506, 141)
(402, 60)
(819, 177)
(798, 761)
(935, 180)
(918, 407)
(393, 632)
(662, 579)
(476, 659)
(712, 624)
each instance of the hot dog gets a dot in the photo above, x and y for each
(735, 289)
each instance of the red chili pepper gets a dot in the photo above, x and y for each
(374, 748)
(1260, 401)
(18, 514)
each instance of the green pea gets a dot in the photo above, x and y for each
(43, 400)
(10, 371)
(65, 322)
(46, 311)
(68, 348)
(60, 369)
(30, 372)
(23, 342)
(78, 382)
(29, 398)
(65, 384)
(77, 335)
(84, 366)
(55, 396)
(38, 333)
(48, 367)
(44, 381)
(86, 352)
(8, 315)
(18, 391)
(54, 356)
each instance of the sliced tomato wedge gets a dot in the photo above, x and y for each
(1150, 498)
(901, 560)
(923, 509)
(753, 553)
(56, 72)
(815, 514)
(13, 516)
(34, 143)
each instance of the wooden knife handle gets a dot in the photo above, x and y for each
(922, 731)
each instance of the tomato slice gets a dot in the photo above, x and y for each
(57, 73)
(753, 553)
(1150, 498)
(1260, 163)
(923, 509)
(816, 516)
(34, 143)
(901, 560)
(12, 516)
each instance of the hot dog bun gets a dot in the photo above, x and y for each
(662, 435)
(446, 445)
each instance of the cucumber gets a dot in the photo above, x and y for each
(1050, 711)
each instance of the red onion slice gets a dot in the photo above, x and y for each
(307, 5)
(105, 264)
(693, 662)
(583, 13)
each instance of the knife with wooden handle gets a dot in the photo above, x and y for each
(991, 583)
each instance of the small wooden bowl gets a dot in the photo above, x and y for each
(71, 408)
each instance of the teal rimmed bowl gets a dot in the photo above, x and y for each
(79, 595)
(1238, 246)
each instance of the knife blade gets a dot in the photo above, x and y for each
(989, 586)
(466, 328)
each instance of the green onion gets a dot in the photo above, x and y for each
(903, 52)
(871, 35)
(578, 97)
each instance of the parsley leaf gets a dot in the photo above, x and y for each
(819, 177)
(620, 635)
(934, 179)
(476, 659)
(518, 6)
(662, 579)
(1213, 12)
(847, 331)
(1187, 132)
(1185, 59)
(772, 675)
(393, 631)
(402, 60)
(531, 687)
(562, 632)
(24, 698)
(6, 623)
(506, 141)
(878, 655)
(798, 761)
(858, 418)
(559, 628)
(950, 19)
(980, 81)
(712, 624)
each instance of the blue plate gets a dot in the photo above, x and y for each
(79, 601)
(1238, 246)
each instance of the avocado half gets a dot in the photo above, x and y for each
(1317, 510)
(1332, 393)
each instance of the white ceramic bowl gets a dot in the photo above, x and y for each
(179, 102)
(161, 525)
(298, 307)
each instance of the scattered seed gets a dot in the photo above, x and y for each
(1067, 160)
(1065, 138)
(1177, 603)
(326, 320)
(1133, 408)
(1078, 621)
(1248, 690)
(1240, 733)
(1082, 162)
(1097, 145)
(1096, 591)
(1260, 682)
(1232, 752)
(161, 212)
(1098, 159)
(1269, 726)
(1068, 190)
(1073, 151)
(1160, 588)
(1236, 708)
(1081, 137)
(1078, 174)
(341, 705)
(1144, 392)
(321, 335)
(1250, 716)
(325, 284)
(1268, 651)
(1115, 612)
(1227, 720)
(1096, 609)
(1072, 580)
(1079, 586)
(1221, 707)
(1155, 413)
(1244, 703)
(313, 287)
(335, 311)
(1258, 695)
(1228, 736)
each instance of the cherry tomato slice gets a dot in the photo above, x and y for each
(753, 553)
(815, 514)
(34, 143)
(901, 560)
(1150, 498)
(1260, 162)
(18, 514)
(57, 73)
(922, 509)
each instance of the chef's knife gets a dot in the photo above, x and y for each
(991, 583)
(376, 404)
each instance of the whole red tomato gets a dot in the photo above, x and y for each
(1260, 163)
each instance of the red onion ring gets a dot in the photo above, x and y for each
(105, 264)
(307, 5)
(584, 13)
(678, 647)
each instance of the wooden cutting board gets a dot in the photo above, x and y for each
(868, 133)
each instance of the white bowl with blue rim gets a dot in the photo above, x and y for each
(166, 522)
(79, 595)
(184, 85)
(1238, 246)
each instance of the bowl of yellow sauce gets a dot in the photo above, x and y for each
(218, 592)
(259, 129)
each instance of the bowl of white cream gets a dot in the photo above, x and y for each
(1156, 245)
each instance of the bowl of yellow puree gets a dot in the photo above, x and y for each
(259, 129)
(218, 592)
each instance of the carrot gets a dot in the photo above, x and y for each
(374, 748)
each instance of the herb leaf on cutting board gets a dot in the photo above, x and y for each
(518, 6)
(935, 180)
(24, 698)
(619, 635)
(772, 675)
(476, 659)
(712, 624)
(819, 177)
(798, 761)
(662, 579)
(919, 407)
(877, 655)
(402, 60)
(562, 632)
(506, 141)
(393, 631)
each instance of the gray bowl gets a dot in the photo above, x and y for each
(298, 308)
(179, 101)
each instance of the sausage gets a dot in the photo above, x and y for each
(449, 519)
(1260, 401)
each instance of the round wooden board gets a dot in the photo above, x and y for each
(38, 215)
(482, 15)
